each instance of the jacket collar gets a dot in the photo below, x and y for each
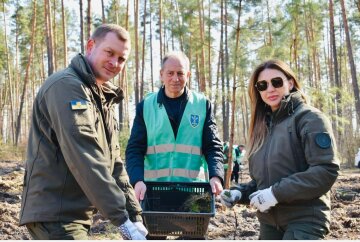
(161, 95)
(287, 106)
(83, 69)
(81, 66)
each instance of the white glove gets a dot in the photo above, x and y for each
(130, 232)
(141, 228)
(230, 197)
(263, 200)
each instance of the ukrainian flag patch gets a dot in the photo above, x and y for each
(78, 105)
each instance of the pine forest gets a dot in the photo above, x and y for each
(224, 40)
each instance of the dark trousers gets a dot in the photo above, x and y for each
(293, 231)
(58, 231)
(235, 175)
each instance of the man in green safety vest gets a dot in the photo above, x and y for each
(174, 137)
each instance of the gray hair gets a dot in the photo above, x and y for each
(177, 55)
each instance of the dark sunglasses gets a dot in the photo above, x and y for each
(276, 82)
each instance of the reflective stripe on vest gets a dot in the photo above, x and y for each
(193, 174)
(188, 149)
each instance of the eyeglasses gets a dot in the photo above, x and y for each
(276, 82)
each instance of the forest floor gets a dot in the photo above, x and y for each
(239, 223)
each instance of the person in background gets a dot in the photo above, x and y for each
(239, 154)
(174, 137)
(357, 159)
(226, 158)
(292, 158)
(73, 162)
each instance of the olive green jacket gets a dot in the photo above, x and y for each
(73, 164)
(298, 159)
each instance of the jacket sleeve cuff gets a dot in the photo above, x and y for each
(136, 175)
(136, 218)
(221, 179)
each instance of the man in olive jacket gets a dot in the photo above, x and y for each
(73, 162)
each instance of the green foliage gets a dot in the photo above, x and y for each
(197, 203)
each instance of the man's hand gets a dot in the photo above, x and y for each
(130, 232)
(216, 186)
(140, 190)
(141, 228)
(263, 200)
(230, 197)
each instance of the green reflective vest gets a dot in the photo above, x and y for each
(170, 159)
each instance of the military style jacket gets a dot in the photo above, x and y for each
(298, 159)
(73, 164)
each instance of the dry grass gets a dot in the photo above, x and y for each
(11, 152)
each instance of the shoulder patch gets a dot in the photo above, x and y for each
(78, 105)
(323, 140)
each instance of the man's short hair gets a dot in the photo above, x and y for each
(178, 55)
(101, 31)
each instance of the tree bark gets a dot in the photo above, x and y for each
(64, 33)
(335, 62)
(54, 35)
(81, 27)
(143, 54)
(351, 60)
(160, 30)
(136, 29)
(49, 37)
(223, 87)
(103, 12)
(151, 49)
(209, 53)
(233, 102)
(27, 70)
(227, 74)
(178, 17)
(269, 23)
(202, 65)
(6, 92)
(88, 20)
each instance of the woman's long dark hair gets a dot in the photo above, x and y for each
(258, 129)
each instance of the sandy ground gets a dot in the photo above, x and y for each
(239, 223)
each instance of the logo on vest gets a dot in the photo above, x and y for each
(194, 120)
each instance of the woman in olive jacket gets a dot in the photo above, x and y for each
(292, 158)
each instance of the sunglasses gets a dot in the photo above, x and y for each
(276, 82)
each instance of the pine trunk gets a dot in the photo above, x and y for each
(88, 20)
(49, 37)
(351, 60)
(136, 29)
(233, 102)
(143, 54)
(64, 33)
(81, 27)
(27, 70)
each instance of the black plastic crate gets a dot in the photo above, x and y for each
(163, 202)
